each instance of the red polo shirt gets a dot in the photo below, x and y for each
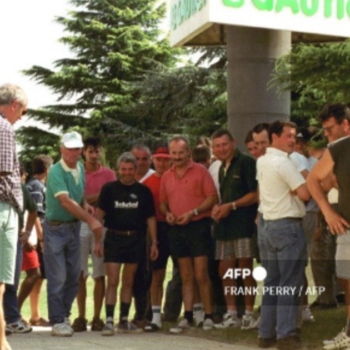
(187, 193)
(95, 180)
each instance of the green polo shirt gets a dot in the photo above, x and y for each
(239, 180)
(61, 179)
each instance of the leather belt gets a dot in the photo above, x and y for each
(58, 223)
(123, 233)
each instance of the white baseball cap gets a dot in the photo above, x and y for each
(72, 140)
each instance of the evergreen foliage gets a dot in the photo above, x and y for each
(317, 74)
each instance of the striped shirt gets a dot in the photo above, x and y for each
(10, 182)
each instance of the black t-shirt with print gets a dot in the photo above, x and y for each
(127, 207)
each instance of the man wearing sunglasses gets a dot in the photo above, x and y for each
(13, 104)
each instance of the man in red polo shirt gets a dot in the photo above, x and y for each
(187, 196)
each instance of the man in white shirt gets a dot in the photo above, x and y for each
(282, 242)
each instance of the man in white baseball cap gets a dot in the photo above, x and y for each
(65, 208)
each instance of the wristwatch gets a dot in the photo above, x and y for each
(195, 212)
(234, 206)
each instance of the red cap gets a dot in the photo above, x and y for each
(161, 151)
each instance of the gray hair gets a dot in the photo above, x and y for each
(142, 147)
(10, 92)
(178, 138)
(126, 157)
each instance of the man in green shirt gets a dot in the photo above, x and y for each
(65, 207)
(235, 224)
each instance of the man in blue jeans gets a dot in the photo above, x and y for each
(282, 240)
(65, 207)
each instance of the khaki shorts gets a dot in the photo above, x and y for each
(86, 248)
(342, 256)
(234, 249)
(8, 242)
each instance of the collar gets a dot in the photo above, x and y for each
(67, 168)
(276, 152)
(189, 165)
(99, 170)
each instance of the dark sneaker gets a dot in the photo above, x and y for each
(128, 327)
(97, 325)
(289, 343)
(266, 342)
(79, 325)
(108, 329)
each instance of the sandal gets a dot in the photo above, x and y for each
(40, 322)
(79, 324)
(97, 325)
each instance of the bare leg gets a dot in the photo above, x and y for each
(81, 296)
(157, 287)
(249, 281)
(202, 278)
(34, 299)
(127, 282)
(4, 345)
(99, 293)
(33, 275)
(227, 283)
(187, 278)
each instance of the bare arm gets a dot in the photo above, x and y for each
(24, 235)
(206, 205)
(152, 229)
(303, 192)
(223, 210)
(92, 199)
(321, 171)
(169, 216)
(98, 250)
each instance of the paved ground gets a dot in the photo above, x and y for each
(40, 339)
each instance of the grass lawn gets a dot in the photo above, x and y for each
(327, 325)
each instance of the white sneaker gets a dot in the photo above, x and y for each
(307, 315)
(249, 322)
(62, 330)
(229, 321)
(18, 327)
(339, 342)
(208, 324)
(198, 319)
(182, 326)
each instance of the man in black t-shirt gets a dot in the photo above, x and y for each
(127, 209)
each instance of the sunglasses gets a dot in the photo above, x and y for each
(24, 112)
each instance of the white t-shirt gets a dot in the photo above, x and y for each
(148, 174)
(278, 176)
(214, 173)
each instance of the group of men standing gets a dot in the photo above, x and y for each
(177, 210)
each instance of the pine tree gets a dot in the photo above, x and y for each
(316, 74)
(114, 44)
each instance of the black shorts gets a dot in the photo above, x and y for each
(124, 249)
(163, 246)
(191, 240)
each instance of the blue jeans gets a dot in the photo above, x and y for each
(62, 266)
(12, 314)
(283, 245)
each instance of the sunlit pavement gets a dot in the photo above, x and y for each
(41, 339)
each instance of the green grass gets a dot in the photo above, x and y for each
(328, 322)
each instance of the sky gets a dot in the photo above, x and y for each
(29, 36)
